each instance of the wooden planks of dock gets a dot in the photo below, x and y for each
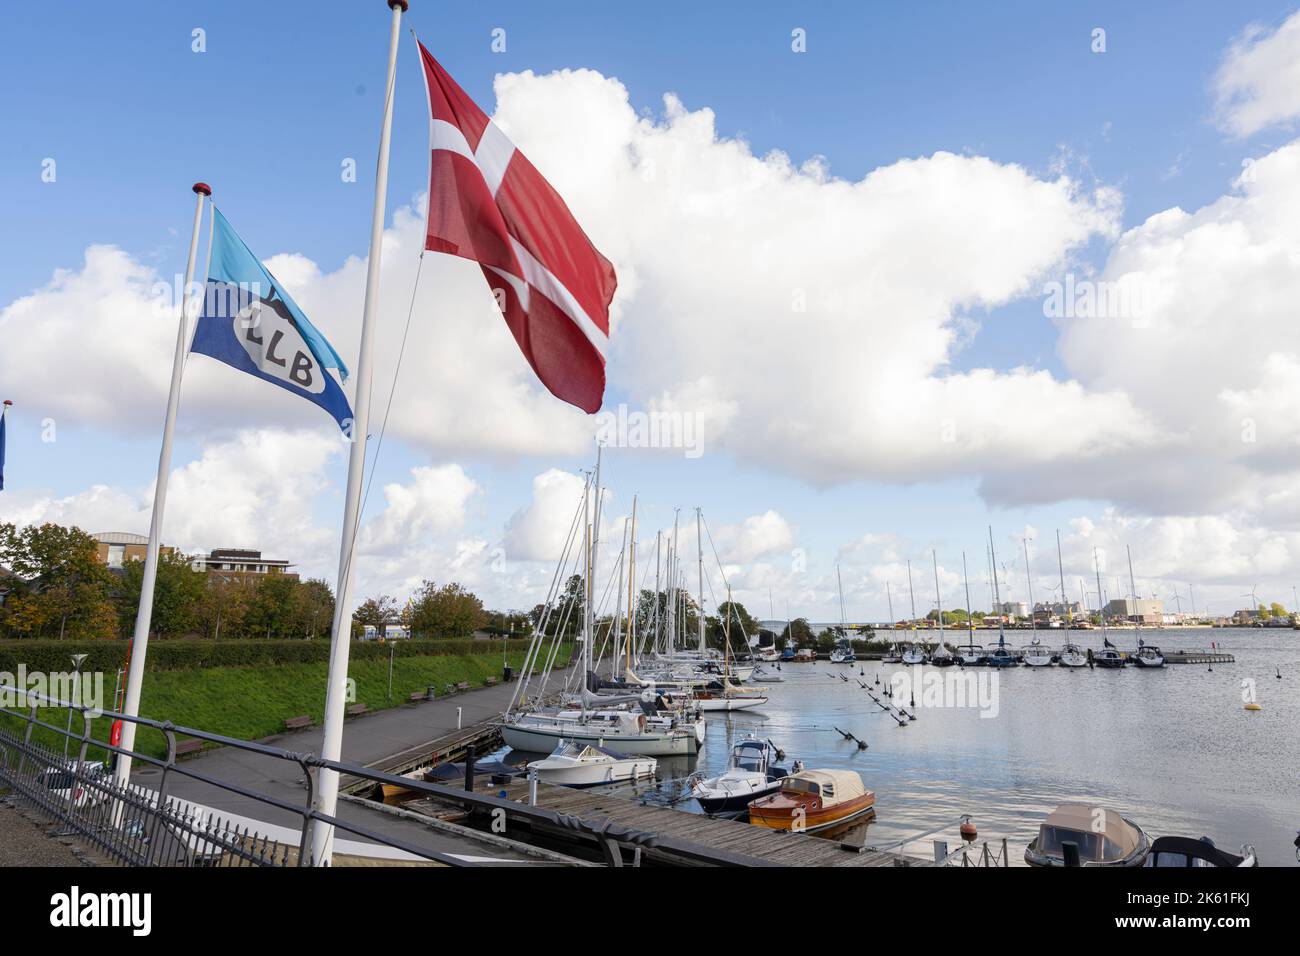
(726, 836)
(484, 737)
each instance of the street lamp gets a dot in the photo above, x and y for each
(77, 661)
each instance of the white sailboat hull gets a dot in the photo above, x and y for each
(731, 703)
(567, 773)
(543, 739)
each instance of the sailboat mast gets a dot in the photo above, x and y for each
(839, 583)
(631, 582)
(1029, 578)
(593, 539)
(1060, 567)
(655, 629)
(911, 596)
(699, 543)
(938, 601)
(1133, 587)
(997, 594)
(970, 621)
(1101, 601)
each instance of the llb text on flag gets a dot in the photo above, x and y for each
(250, 322)
(488, 203)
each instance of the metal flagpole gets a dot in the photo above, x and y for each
(144, 613)
(327, 781)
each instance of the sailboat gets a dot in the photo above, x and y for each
(632, 723)
(1072, 655)
(894, 655)
(1034, 654)
(1108, 657)
(1002, 656)
(970, 653)
(940, 656)
(843, 652)
(912, 651)
(1148, 656)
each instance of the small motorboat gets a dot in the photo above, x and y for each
(1072, 655)
(1109, 657)
(586, 765)
(395, 793)
(787, 654)
(813, 800)
(1180, 852)
(751, 773)
(1148, 656)
(1036, 655)
(1101, 838)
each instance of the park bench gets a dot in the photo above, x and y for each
(297, 723)
(419, 695)
(490, 682)
(462, 686)
(356, 710)
(191, 746)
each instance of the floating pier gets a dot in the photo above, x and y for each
(664, 831)
(1198, 657)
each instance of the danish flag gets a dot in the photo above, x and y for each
(488, 203)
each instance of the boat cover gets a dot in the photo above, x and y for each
(1080, 818)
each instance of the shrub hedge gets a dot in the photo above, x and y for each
(174, 655)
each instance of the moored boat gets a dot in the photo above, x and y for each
(1036, 655)
(813, 800)
(1101, 837)
(751, 773)
(1148, 656)
(1184, 852)
(586, 765)
(1072, 655)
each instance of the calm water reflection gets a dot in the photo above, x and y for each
(1172, 749)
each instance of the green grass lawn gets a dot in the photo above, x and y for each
(251, 702)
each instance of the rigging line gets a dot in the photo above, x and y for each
(383, 428)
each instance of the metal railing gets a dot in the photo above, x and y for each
(137, 825)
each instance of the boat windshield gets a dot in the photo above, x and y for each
(801, 786)
(1092, 846)
(749, 757)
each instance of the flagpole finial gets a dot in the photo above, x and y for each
(203, 189)
(399, 3)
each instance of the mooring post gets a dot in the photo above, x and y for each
(469, 768)
(532, 788)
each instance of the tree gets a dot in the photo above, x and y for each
(315, 607)
(59, 585)
(733, 623)
(798, 634)
(271, 611)
(223, 608)
(447, 611)
(177, 595)
(376, 612)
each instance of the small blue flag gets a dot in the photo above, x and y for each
(250, 322)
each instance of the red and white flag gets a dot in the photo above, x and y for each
(488, 203)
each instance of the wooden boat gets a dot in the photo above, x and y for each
(1179, 852)
(583, 765)
(1103, 838)
(813, 800)
(393, 792)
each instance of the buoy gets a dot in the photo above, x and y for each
(968, 831)
(1253, 706)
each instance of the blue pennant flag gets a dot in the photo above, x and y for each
(250, 322)
(2, 448)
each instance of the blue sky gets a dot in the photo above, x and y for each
(283, 92)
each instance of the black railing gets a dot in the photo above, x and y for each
(139, 825)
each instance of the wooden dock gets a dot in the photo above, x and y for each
(759, 845)
(1198, 657)
(483, 737)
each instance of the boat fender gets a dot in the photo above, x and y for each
(967, 828)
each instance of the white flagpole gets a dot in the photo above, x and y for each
(144, 614)
(327, 781)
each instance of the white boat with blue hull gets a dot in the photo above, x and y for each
(751, 773)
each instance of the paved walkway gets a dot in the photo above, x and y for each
(366, 740)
